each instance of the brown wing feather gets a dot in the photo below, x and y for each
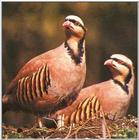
(30, 67)
(29, 88)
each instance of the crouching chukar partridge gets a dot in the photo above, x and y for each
(112, 96)
(53, 79)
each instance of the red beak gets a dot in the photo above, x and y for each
(108, 62)
(67, 24)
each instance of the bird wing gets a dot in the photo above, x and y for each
(28, 69)
(85, 109)
(32, 92)
(34, 86)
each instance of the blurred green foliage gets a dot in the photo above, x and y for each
(126, 133)
(31, 28)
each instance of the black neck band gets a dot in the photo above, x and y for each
(123, 86)
(77, 58)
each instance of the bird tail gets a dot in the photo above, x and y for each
(5, 104)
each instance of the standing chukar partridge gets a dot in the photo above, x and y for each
(53, 79)
(112, 96)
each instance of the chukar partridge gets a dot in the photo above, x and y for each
(112, 96)
(53, 79)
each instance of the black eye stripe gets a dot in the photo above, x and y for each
(117, 60)
(122, 63)
(76, 23)
(73, 21)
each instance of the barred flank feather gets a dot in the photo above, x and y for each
(33, 87)
(87, 109)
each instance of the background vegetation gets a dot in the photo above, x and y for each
(31, 28)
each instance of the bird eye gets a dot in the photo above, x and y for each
(120, 61)
(76, 23)
(73, 21)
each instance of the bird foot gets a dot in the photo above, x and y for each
(38, 122)
(60, 121)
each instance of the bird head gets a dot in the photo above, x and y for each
(74, 26)
(120, 66)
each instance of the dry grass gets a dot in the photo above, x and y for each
(97, 128)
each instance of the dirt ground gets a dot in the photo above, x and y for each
(96, 128)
